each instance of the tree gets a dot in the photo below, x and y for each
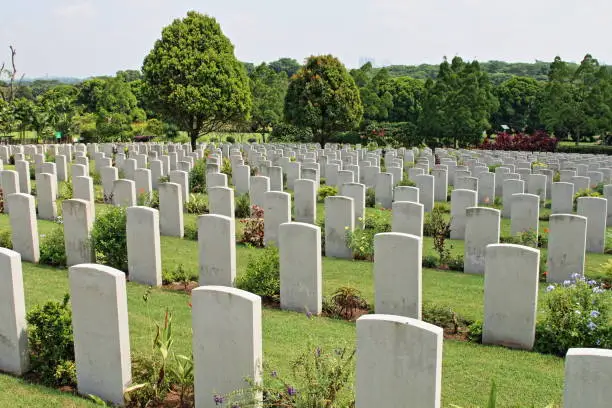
(286, 65)
(518, 103)
(374, 92)
(457, 105)
(268, 89)
(192, 77)
(323, 96)
(406, 94)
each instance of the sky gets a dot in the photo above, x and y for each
(83, 38)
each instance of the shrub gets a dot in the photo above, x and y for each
(190, 231)
(179, 274)
(444, 317)
(6, 240)
(361, 241)
(252, 140)
(230, 139)
(253, 231)
(455, 263)
(539, 141)
(284, 132)
(52, 249)
(226, 167)
(148, 199)
(585, 149)
(326, 191)
(346, 300)
(430, 261)
(320, 376)
(197, 177)
(584, 193)
(370, 199)
(528, 238)
(197, 204)
(262, 275)
(575, 315)
(475, 332)
(405, 181)
(109, 238)
(242, 207)
(65, 191)
(51, 343)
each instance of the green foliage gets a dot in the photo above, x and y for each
(345, 302)
(361, 241)
(148, 199)
(323, 96)
(242, 206)
(287, 65)
(65, 190)
(518, 103)
(109, 238)
(262, 274)
(457, 105)
(226, 167)
(197, 177)
(191, 231)
(326, 191)
(320, 376)
(154, 376)
(197, 204)
(585, 149)
(285, 132)
(475, 332)
(405, 181)
(584, 193)
(443, 316)
(6, 240)
(51, 343)
(179, 274)
(575, 315)
(268, 89)
(370, 199)
(52, 248)
(199, 97)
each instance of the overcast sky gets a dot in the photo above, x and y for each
(84, 38)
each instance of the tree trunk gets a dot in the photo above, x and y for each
(577, 138)
(193, 135)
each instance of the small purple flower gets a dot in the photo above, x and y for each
(318, 351)
(218, 399)
(550, 288)
(595, 313)
(291, 391)
(591, 325)
(598, 342)
(309, 315)
(567, 282)
(575, 276)
(592, 282)
(274, 374)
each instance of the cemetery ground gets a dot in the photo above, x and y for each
(523, 378)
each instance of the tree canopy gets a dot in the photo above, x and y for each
(193, 79)
(323, 96)
(268, 89)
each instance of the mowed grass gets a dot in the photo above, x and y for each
(523, 378)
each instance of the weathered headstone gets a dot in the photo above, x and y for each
(78, 222)
(588, 375)
(221, 201)
(461, 200)
(217, 249)
(277, 210)
(481, 229)
(595, 209)
(339, 218)
(24, 229)
(566, 246)
(143, 245)
(525, 214)
(305, 201)
(170, 210)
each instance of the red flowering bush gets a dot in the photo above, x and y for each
(539, 141)
(253, 232)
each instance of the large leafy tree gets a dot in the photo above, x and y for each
(323, 96)
(286, 65)
(457, 105)
(268, 89)
(577, 102)
(518, 103)
(193, 79)
(406, 94)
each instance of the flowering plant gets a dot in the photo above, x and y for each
(576, 315)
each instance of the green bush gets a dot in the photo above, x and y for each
(405, 181)
(575, 315)
(590, 149)
(52, 248)
(197, 204)
(51, 343)
(148, 199)
(109, 238)
(430, 261)
(584, 193)
(65, 191)
(226, 167)
(475, 332)
(197, 177)
(242, 207)
(262, 275)
(370, 199)
(253, 229)
(361, 241)
(6, 240)
(190, 231)
(179, 274)
(230, 139)
(326, 191)
(444, 317)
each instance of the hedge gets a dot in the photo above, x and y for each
(590, 149)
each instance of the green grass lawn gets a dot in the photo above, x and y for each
(523, 378)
